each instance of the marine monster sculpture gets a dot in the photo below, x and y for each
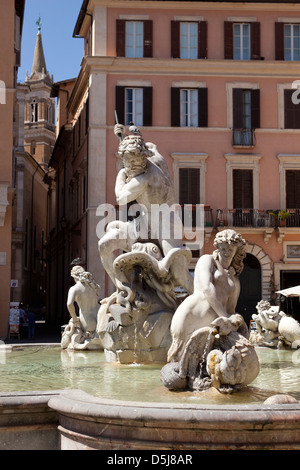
(134, 322)
(210, 345)
(274, 328)
(80, 333)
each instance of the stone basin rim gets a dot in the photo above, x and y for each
(78, 401)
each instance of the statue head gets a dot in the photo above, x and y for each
(134, 153)
(263, 305)
(86, 278)
(233, 242)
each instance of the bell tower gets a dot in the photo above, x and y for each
(39, 127)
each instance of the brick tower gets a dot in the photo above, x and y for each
(39, 132)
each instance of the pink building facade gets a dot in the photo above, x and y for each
(215, 86)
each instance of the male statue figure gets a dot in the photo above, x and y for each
(144, 178)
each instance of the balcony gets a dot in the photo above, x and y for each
(243, 138)
(256, 218)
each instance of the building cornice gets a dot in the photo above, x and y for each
(254, 5)
(79, 89)
(150, 66)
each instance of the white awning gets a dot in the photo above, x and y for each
(290, 292)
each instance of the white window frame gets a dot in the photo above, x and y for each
(242, 162)
(286, 162)
(190, 160)
(137, 106)
(134, 42)
(189, 107)
(188, 40)
(285, 251)
(291, 49)
(239, 51)
(229, 93)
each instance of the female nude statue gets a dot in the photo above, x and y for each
(216, 290)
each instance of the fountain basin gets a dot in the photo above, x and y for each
(142, 413)
(87, 423)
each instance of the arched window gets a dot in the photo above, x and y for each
(34, 111)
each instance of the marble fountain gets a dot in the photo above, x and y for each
(148, 370)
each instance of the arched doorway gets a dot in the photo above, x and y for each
(251, 287)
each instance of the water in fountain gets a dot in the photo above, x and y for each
(49, 368)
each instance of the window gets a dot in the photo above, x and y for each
(189, 189)
(134, 44)
(291, 42)
(189, 39)
(246, 115)
(189, 107)
(134, 38)
(242, 181)
(291, 111)
(50, 114)
(242, 189)
(189, 186)
(134, 105)
(242, 40)
(34, 111)
(292, 189)
(287, 41)
(33, 148)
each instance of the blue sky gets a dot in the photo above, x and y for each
(63, 53)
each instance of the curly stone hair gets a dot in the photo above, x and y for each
(134, 144)
(79, 274)
(232, 238)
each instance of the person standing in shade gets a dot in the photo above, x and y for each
(31, 324)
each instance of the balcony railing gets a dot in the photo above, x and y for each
(244, 218)
(256, 218)
(243, 137)
(294, 218)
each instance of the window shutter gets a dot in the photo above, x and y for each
(147, 106)
(148, 38)
(202, 40)
(255, 40)
(120, 104)
(242, 189)
(291, 111)
(202, 107)
(279, 41)
(237, 107)
(175, 39)
(228, 40)
(189, 186)
(292, 182)
(255, 109)
(175, 107)
(120, 46)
